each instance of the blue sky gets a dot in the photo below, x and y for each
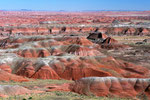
(75, 5)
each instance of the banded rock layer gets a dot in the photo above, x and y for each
(111, 86)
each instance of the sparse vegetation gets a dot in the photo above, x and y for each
(37, 82)
(57, 95)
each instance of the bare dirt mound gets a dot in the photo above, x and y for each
(82, 50)
(74, 68)
(5, 76)
(111, 86)
(9, 90)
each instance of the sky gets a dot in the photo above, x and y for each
(75, 5)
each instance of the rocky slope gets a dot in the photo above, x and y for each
(111, 86)
(64, 57)
(77, 47)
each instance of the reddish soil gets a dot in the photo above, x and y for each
(73, 46)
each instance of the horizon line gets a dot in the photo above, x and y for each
(66, 10)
